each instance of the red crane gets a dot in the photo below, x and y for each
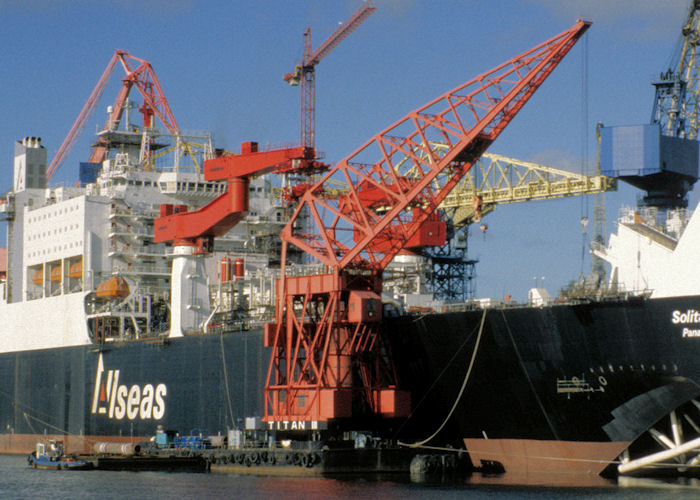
(139, 73)
(328, 357)
(198, 228)
(304, 73)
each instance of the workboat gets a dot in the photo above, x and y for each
(49, 456)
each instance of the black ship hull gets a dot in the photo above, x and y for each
(124, 391)
(568, 386)
(565, 387)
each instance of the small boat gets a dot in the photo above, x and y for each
(50, 455)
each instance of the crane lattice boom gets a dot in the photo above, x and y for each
(689, 70)
(139, 73)
(371, 223)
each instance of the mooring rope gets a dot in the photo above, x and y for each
(461, 390)
(529, 380)
(228, 392)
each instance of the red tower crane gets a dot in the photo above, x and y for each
(304, 73)
(139, 73)
(328, 357)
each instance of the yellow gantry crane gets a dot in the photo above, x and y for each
(497, 180)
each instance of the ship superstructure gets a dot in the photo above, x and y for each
(82, 261)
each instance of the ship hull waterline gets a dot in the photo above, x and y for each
(558, 387)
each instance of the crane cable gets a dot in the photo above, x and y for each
(584, 143)
(461, 391)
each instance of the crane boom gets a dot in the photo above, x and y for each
(178, 226)
(145, 80)
(83, 117)
(689, 70)
(353, 234)
(340, 34)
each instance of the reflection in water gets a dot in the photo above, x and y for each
(20, 481)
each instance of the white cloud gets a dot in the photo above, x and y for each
(649, 18)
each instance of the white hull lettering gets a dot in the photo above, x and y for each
(293, 425)
(121, 401)
(687, 332)
(685, 317)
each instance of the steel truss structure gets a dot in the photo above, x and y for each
(328, 360)
(139, 73)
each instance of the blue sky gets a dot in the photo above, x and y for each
(221, 67)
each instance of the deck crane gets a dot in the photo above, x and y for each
(328, 359)
(139, 73)
(192, 233)
(305, 72)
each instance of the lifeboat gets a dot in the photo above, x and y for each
(56, 273)
(38, 277)
(76, 270)
(115, 287)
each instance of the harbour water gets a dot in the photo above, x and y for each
(17, 480)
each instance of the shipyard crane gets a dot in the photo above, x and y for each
(495, 180)
(305, 72)
(139, 73)
(662, 158)
(329, 360)
(677, 97)
(192, 233)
